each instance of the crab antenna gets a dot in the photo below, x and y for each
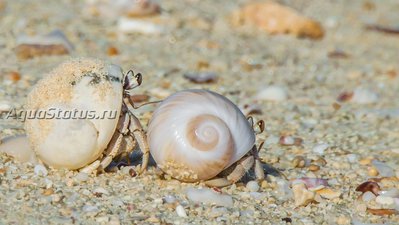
(261, 145)
(130, 101)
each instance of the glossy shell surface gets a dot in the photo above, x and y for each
(195, 134)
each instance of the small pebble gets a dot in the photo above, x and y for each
(329, 193)
(372, 171)
(385, 200)
(126, 25)
(169, 199)
(287, 140)
(40, 170)
(320, 148)
(5, 106)
(100, 190)
(368, 196)
(275, 18)
(313, 167)
(206, 195)
(364, 96)
(90, 208)
(54, 43)
(383, 169)
(302, 195)
(272, 93)
(82, 177)
(181, 211)
(252, 186)
(352, 158)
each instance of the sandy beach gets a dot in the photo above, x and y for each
(330, 106)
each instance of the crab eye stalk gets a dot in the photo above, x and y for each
(139, 78)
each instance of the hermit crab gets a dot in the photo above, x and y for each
(81, 116)
(195, 135)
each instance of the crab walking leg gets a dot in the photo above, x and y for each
(91, 167)
(258, 168)
(243, 166)
(114, 146)
(137, 130)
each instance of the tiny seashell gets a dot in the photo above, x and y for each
(207, 196)
(19, 148)
(126, 25)
(54, 43)
(40, 170)
(181, 211)
(201, 77)
(369, 186)
(272, 93)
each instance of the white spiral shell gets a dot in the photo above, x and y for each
(195, 134)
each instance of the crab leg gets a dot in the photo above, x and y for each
(114, 146)
(91, 167)
(239, 171)
(137, 130)
(258, 168)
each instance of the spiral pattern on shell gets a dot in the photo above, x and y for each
(195, 134)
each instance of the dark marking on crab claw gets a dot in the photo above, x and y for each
(261, 125)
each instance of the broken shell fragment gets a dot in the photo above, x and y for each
(369, 186)
(277, 19)
(127, 26)
(129, 8)
(302, 195)
(201, 77)
(54, 43)
(208, 196)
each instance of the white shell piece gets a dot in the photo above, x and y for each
(195, 134)
(18, 147)
(90, 87)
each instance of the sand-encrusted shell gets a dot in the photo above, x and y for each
(87, 85)
(195, 134)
